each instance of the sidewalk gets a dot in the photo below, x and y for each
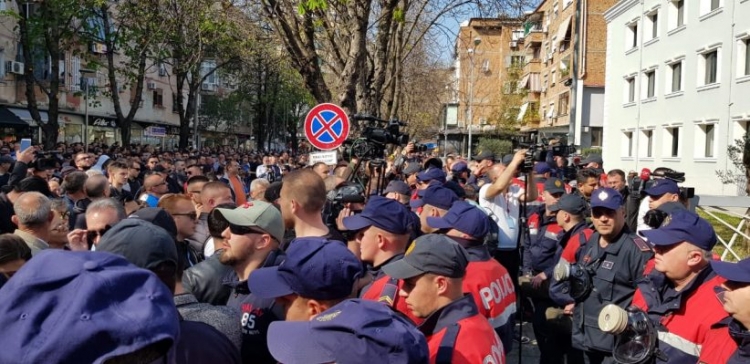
(529, 352)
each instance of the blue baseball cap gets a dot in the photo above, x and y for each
(397, 186)
(383, 213)
(314, 268)
(432, 174)
(662, 186)
(735, 272)
(438, 196)
(683, 225)
(83, 307)
(542, 168)
(554, 185)
(465, 218)
(349, 332)
(606, 197)
(460, 167)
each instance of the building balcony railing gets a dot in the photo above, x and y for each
(533, 38)
(534, 65)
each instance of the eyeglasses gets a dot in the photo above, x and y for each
(91, 235)
(64, 215)
(243, 230)
(82, 159)
(191, 215)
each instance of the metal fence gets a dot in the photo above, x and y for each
(736, 206)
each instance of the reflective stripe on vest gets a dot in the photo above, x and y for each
(680, 343)
(502, 318)
(445, 350)
(389, 292)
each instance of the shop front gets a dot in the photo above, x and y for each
(71, 128)
(104, 130)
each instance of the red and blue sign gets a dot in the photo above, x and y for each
(326, 126)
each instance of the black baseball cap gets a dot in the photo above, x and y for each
(431, 253)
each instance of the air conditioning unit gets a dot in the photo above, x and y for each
(513, 44)
(14, 67)
(208, 87)
(151, 85)
(98, 47)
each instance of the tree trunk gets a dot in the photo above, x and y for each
(359, 13)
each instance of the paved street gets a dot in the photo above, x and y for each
(529, 352)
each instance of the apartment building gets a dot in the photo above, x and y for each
(156, 121)
(484, 50)
(563, 76)
(679, 73)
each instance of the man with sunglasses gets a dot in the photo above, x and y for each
(181, 208)
(252, 241)
(100, 216)
(154, 186)
(83, 161)
(678, 291)
(615, 258)
(736, 301)
(134, 182)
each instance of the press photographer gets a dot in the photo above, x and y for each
(660, 187)
(675, 302)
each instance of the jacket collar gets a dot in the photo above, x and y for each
(184, 299)
(478, 253)
(377, 272)
(230, 279)
(452, 313)
(671, 300)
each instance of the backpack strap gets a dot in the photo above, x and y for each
(445, 350)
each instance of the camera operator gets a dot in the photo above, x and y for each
(660, 192)
(678, 291)
(736, 300)
(480, 175)
(460, 173)
(502, 199)
(615, 258)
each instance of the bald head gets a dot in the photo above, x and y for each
(96, 186)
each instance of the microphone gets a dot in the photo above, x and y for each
(644, 176)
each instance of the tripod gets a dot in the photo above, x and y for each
(524, 237)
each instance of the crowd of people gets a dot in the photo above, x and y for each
(138, 255)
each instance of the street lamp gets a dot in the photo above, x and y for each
(472, 52)
(84, 72)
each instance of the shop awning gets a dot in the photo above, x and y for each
(522, 112)
(563, 29)
(25, 115)
(9, 118)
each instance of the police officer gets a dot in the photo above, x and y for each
(433, 271)
(678, 293)
(538, 263)
(322, 324)
(487, 280)
(616, 258)
(383, 230)
(736, 301)
(435, 202)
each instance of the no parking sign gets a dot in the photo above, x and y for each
(326, 126)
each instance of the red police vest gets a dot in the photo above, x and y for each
(689, 337)
(458, 334)
(385, 289)
(493, 290)
(574, 243)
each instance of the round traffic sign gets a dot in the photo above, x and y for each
(326, 126)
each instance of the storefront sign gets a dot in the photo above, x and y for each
(156, 131)
(102, 122)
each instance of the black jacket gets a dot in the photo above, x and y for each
(204, 281)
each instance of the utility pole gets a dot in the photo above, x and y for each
(472, 52)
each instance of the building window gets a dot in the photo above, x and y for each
(676, 70)
(648, 136)
(632, 35)
(597, 134)
(563, 101)
(158, 99)
(744, 64)
(711, 67)
(715, 4)
(630, 89)
(674, 141)
(654, 23)
(650, 83)
(709, 130)
(628, 148)
(676, 14)
(554, 11)
(175, 107)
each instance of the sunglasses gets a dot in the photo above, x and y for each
(243, 230)
(91, 235)
(191, 215)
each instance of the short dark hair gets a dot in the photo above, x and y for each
(617, 172)
(74, 181)
(197, 179)
(12, 248)
(217, 225)
(585, 174)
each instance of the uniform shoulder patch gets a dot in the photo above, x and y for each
(642, 244)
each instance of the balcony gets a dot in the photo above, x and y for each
(533, 66)
(535, 37)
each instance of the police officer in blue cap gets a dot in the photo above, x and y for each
(323, 325)
(615, 258)
(384, 230)
(736, 301)
(435, 202)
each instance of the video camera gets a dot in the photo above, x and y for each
(347, 192)
(644, 180)
(376, 134)
(542, 151)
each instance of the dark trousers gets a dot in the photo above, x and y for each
(553, 337)
(597, 357)
(511, 260)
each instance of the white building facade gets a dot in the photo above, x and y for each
(678, 87)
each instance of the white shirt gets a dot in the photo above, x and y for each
(642, 210)
(209, 249)
(504, 209)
